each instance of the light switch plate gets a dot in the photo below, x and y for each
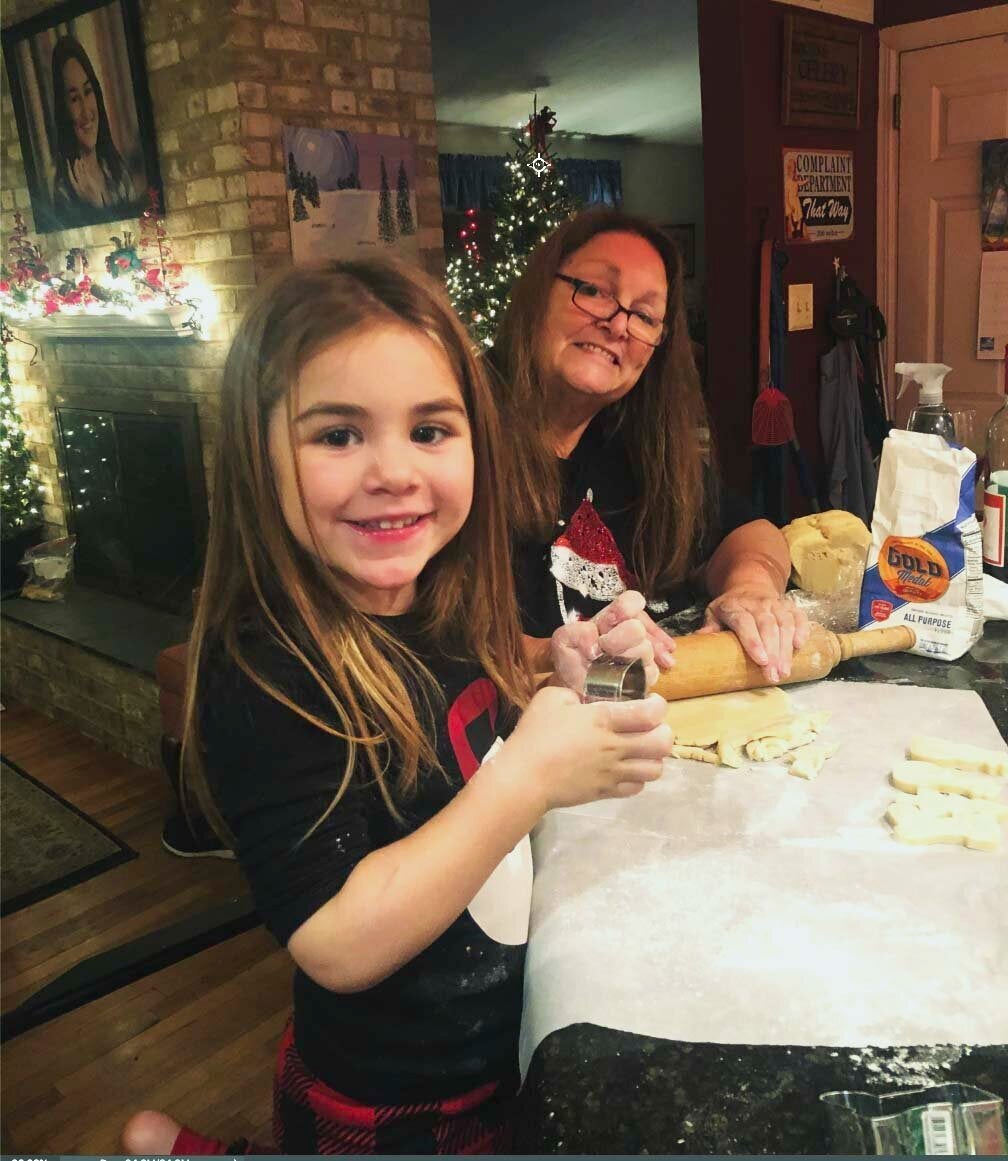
(799, 306)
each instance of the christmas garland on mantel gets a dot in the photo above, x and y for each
(148, 292)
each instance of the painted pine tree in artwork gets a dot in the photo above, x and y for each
(404, 211)
(386, 222)
(305, 187)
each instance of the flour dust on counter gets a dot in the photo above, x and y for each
(920, 1066)
(755, 908)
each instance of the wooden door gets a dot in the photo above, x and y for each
(953, 97)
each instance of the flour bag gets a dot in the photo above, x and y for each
(924, 566)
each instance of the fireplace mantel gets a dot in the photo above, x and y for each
(173, 321)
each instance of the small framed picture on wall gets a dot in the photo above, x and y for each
(685, 238)
(79, 90)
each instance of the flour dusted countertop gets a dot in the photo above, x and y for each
(797, 948)
(806, 922)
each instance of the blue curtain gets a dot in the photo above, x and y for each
(594, 183)
(470, 182)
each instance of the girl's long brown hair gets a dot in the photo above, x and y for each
(659, 419)
(256, 570)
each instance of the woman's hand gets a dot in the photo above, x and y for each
(768, 627)
(622, 629)
(565, 753)
(87, 180)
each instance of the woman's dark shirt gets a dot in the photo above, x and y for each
(587, 561)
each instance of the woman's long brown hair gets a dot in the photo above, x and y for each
(256, 570)
(659, 419)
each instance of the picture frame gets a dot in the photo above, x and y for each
(83, 112)
(684, 237)
(821, 86)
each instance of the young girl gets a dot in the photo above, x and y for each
(355, 654)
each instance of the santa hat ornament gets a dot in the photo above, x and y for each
(585, 558)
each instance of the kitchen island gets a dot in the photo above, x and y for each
(592, 1088)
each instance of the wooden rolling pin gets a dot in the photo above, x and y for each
(716, 662)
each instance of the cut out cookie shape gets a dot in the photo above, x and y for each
(913, 776)
(958, 755)
(939, 818)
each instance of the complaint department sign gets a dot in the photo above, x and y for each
(818, 195)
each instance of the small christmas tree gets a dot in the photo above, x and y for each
(20, 491)
(386, 222)
(529, 206)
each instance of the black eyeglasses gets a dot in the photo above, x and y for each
(593, 300)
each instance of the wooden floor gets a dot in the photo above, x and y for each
(197, 1039)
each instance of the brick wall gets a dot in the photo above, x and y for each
(224, 78)
(333, 64)
(110, 703)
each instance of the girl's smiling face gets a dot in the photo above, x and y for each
(383, 447)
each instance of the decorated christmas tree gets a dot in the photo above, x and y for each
(20, 494)
(530, 204)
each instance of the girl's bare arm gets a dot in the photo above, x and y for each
(400, 898)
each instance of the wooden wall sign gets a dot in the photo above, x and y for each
(822, 73)
(851, 9)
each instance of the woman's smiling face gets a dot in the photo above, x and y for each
(82, 104)
(581, 356)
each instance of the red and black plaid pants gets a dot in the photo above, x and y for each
(311, 1118)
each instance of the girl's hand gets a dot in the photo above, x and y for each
(768, 627)
(622, 629)
(568, 753)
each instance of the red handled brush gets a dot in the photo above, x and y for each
(772, 418)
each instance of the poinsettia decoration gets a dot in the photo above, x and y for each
(29, 289)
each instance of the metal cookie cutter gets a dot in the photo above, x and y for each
(615, 679)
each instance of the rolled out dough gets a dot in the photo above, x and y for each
(729, 719)
(755, 724)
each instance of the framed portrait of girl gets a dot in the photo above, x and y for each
(83, 112)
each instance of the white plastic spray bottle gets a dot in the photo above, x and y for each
(930, 416)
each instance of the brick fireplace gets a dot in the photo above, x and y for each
(224, 78)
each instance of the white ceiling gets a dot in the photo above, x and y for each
(625, 69)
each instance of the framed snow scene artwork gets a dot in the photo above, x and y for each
(350, 194)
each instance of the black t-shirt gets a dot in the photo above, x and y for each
(586, 563)
(448, 1020)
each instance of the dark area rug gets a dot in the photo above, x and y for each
(46, 844)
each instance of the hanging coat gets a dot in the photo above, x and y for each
(850, 470)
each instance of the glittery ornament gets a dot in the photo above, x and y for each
(585, 557)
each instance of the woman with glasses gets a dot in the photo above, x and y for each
(610, 491)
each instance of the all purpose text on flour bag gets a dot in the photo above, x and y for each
(924, 566)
